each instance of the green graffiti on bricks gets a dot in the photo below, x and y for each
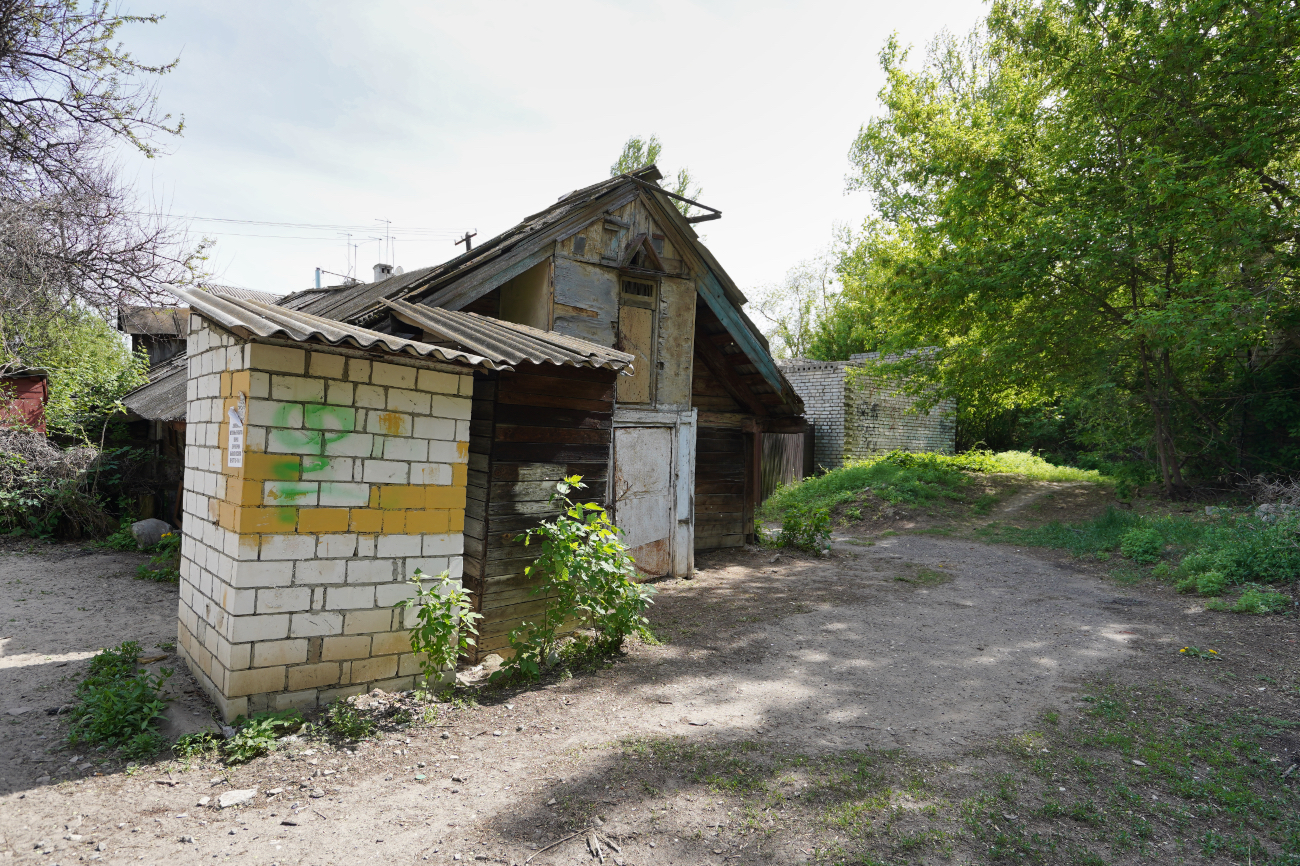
(318, 417)
(293, 441)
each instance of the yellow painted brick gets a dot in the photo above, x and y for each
(394, 522)
(390, 642)
(366, 520)
(462, 448)
(244, 491)
(313, 676)
(225, 385)
(227, 517)
(459, 474)
(239, 383)
(335, 648)
(273, 467)
(273, 520)
(401, 496)
(255, 681)
(374, 497)
(444, 497)
(456, 521)
(369, 670)
(323, 520)
(426, 521)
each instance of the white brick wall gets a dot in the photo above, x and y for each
(857, 416)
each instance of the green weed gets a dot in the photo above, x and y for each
(256, 735)
(344, 720)
(119, 704)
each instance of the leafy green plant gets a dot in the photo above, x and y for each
(444, 628)
(1142, 544)
(806, 529)
(119, 704)
(585, 573)
(1193, 652)
(256, 735)
(195, 744)
(344, 720)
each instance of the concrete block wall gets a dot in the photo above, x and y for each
(858, 416)
(821, 385)
(353, 477)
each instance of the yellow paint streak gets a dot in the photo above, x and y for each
(401, 496)
(366, 520)
(323, 520)
(444, 497)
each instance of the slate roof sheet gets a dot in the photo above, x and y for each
(508, 342)
(164, 397)
(249, 318)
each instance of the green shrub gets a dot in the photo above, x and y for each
(1261, 602)
(1142, 544)
(119, 704)
(256, 735)
(195, 744)
(1211, 583)
(585, 573)
(806, 529)
(444, 627)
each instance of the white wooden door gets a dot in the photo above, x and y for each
(653, 494)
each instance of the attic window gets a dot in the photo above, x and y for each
(638, 289)
(657, 241)
(580, 245)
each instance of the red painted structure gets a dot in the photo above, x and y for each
(22, 399)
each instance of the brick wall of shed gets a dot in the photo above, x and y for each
(353, 477)
(821, 385)
(857, 416)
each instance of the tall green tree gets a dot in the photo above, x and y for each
(1100, 202)
(640, 152)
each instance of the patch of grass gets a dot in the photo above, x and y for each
(904, 478)
(344, 720)
(165, 564)
(120, 704)
(924, 577)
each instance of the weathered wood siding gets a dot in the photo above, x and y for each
(529, 429)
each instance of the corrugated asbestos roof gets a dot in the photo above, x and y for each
(164, 397)
(508, 342)
(249, 318)
(155, 321)
(241, 293)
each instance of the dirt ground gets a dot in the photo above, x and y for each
(915, 653)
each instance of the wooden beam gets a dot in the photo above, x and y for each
(711, 290)
(718, 366)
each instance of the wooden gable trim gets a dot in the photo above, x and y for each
(726, 375)
(641, 241)
(711, 290)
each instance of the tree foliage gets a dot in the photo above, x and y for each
(72, 232)
(1098, 203)
(640, 152)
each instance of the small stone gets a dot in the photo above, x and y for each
(419, 777)
(496, 733)
(419, 763)
(455, 790)
(1138, 763)
(444, 736)
(316, 794)
(232, 832)
(203, 801)
(289, 822)
(41, 780)
(717, 850)
(550, 802)
(652, 844)
(597, 822)
(188, 839)
(44, 843)
(235, 798)
(86, 766)
(72, 837)
(102, 846)
(459, 778)
(148, 533)
(274, 791)
(519, 727)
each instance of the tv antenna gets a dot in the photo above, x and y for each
(469, 244)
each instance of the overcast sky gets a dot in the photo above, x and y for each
(447, 117)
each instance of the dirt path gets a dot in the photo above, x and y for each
(932, 645)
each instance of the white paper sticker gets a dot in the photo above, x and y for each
(235, 451)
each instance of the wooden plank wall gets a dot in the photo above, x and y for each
(722, 517)
(529, 429)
